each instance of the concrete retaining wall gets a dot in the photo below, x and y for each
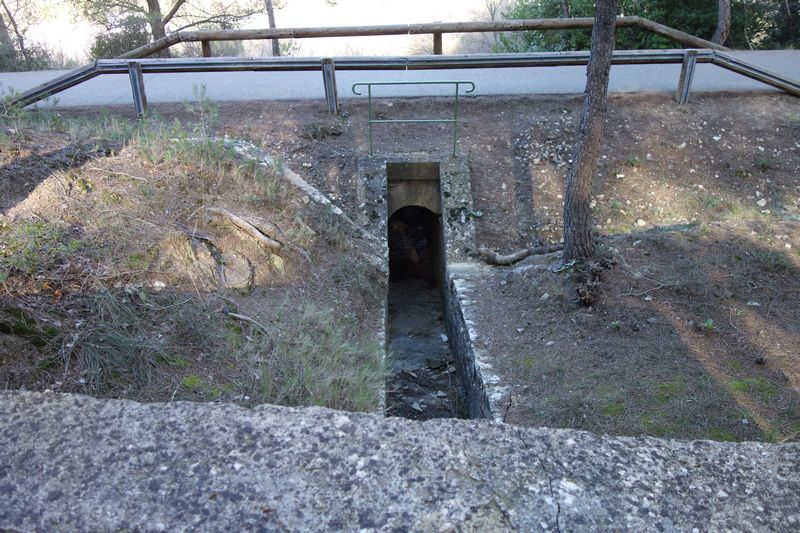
(74, 463)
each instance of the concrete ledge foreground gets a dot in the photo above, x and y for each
(74, 463)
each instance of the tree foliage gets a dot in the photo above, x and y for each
(754, 24)
(122, 17)
(16, 52)
(131, 32)
(175, 15)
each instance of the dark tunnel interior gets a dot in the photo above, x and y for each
(414, 245)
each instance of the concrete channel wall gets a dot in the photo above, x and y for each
(483, 394)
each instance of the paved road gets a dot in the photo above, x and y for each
(115, 89)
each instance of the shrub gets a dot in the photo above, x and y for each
(131, 33)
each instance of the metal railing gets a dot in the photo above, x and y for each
(454, 121)
(328, 66)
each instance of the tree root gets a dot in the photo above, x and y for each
(493, 258)
(248, 227)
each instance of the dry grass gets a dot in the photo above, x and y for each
(98, 297)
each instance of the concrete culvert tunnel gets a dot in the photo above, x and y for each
(423, 383)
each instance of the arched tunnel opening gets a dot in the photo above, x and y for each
(415, 245)
(423, 383)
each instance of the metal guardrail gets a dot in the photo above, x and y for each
(688, 58)
(454, 121)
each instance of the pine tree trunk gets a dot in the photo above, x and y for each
(155, 18)
(276, 47)
(723, 22)
(578, 243)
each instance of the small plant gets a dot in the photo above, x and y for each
(204, 109)
(615, 325)
(633, 162)
(764, 164)
(758, 386)
(613, 409)
(192, 382)
(668, 390)
(709, 202)
(721, 435)
(708, 325)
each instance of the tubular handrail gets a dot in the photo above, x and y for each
(433, 82)
(454, 121)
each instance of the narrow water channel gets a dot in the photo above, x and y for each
(423, 383)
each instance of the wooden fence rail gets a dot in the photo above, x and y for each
(436, 29)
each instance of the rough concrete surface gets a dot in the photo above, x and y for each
(70, 462)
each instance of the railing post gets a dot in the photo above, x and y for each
(329, 81)
(437, 43)
(455, 122)
(137, 88)
(687, 73)
(206, 48)
(369, 116)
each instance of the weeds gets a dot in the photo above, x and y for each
(773, 260)
(759, 386)
(114, 339)
(192, 382)
(721, 435)
(132, 334)
(709, 202)
(206, 111)
(33, 245)
(669, 390)
(313, 360)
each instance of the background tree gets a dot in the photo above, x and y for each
(753, 23)
(578, 243)
(723, 22)
(117, 15)
(276, 47)
(16, 53)
(784, 21)
(131, 32)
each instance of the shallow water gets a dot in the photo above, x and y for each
(423, 382)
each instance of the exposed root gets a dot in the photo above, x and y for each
(248, 227)
(493, 258)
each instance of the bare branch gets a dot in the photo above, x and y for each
(175, 7)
